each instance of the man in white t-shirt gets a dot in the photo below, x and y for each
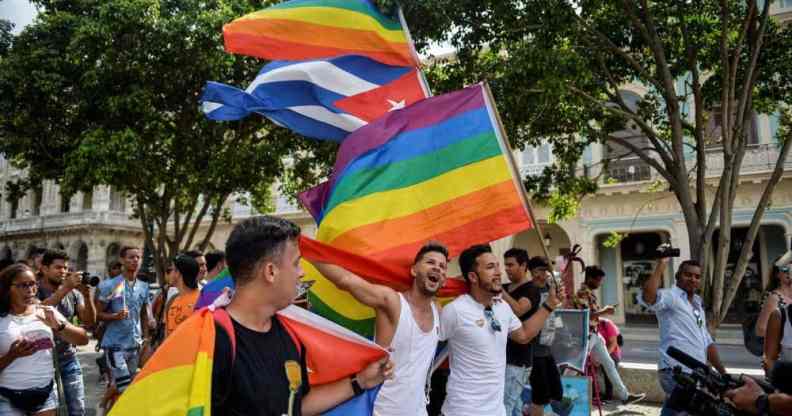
(477, 327)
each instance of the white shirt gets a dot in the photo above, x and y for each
(477, 356)
(412, 351)
(35, 370)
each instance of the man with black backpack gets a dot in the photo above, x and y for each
(261, 371)
(60, 288)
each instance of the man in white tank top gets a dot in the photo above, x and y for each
(407, 323)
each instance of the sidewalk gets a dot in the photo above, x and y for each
(726, 334)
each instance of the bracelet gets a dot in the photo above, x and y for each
(356, 387)
(547, 307)
(61, 327)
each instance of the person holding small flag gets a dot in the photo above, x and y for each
(122, 304)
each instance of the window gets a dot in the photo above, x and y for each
(87, 202)
(36, 201)
(715, 127)
(65, 203)
(117, 200)
(14, 209)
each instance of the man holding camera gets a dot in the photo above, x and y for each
(58, 287)
(682, 319)
(750, 398)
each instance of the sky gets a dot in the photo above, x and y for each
(19, 12)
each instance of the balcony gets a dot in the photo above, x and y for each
(67, 220)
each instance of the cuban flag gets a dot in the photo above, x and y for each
(323, 99)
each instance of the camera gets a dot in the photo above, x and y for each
(699, 392)
(664, 251)
(87, 279)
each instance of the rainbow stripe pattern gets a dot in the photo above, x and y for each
(311, 29)
(437, 170)
(177, 380)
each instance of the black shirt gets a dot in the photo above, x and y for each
(68, 308)
(257, 383)
(522, 354)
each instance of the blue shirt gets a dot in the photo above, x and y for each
(682, 324)
(127, 333)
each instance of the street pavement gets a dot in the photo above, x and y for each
(732, 356)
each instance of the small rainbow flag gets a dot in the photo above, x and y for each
(437, 170)
(177, 379)
(311, 29)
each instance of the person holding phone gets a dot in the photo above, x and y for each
(26, 345)
(586, 299)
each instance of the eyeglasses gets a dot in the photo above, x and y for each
(26, 285)
(490, 315)
(697, 314)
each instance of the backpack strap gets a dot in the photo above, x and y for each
(292, 334)
(222, 318)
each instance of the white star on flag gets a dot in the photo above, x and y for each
(396, 105)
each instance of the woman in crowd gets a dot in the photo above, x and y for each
(182, 275)
(777, 295)
(26, 343)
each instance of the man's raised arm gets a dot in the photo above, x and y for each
(381, 298)
(652, 284)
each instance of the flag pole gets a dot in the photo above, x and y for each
(509, 153)
(414, 53)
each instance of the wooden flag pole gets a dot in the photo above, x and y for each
(509, 153)
(422, 77)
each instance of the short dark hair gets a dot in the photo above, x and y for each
(429, 247)
(594, 272)
(537, 262)
(467, 260)
(519, 254)
(194, 253)
(686, 263)
(256, 239)
(213, 258)
(124, 249)
(188, 267)
(52, 255)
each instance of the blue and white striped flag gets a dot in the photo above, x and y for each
(322, 99)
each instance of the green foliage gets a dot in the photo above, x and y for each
(107, 93)
(6, 37)
(614, 239)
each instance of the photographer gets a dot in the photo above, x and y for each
(64, 290)
(680, 313)
(752, 399)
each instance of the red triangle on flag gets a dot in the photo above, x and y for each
(332, 351)
(395, 95)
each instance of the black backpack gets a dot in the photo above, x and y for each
(754, 343)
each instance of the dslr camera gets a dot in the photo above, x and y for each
(664, 251)
(700, 392)
(87, 279)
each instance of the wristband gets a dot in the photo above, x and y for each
(356, 387)
(547, 307)
(61, 327)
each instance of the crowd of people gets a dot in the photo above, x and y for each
(497, 333)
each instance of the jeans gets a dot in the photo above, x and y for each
(123, 365)
(73, 387)
(516, 381)
(600, 353)
(668, 384)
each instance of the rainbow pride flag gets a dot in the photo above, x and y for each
(311, 29)
(177, 380)
(437, 170)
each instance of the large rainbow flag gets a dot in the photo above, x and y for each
(311, 29)
(437, 170)
(177, 380)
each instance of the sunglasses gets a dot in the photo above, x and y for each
(26, 285)
(783, 269)
(490, 315)
(697, 314)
